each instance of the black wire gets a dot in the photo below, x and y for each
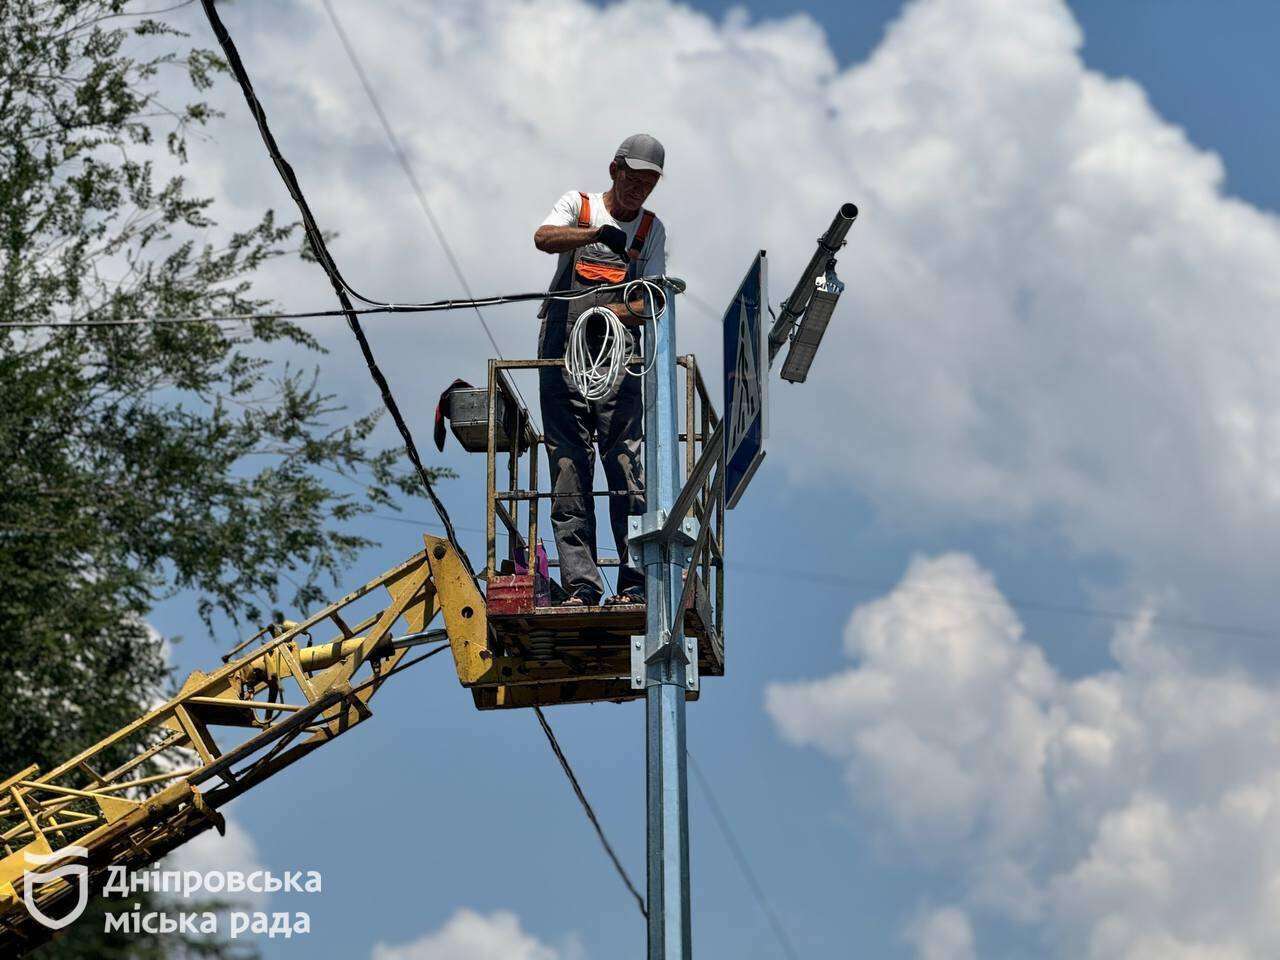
(321, 251)
(824, 578)
(707, 308)
(586, 806)
(1017, 603)
(159, 321)
(399, 667)
(736, 848)
(433, 306)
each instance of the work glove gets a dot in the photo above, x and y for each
(614, 239)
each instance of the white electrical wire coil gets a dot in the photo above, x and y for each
(595, 374)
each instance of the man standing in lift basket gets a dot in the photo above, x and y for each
(601, 238)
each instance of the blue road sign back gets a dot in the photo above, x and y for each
(746, 374)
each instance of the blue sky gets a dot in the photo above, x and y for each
(432, 807)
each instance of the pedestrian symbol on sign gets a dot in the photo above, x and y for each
(746, 383)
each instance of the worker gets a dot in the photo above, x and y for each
(601, 238)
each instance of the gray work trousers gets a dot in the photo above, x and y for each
(571, 424)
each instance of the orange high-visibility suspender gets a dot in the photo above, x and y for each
(584, 211)
(642, 231)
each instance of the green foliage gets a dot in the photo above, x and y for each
(139, 461)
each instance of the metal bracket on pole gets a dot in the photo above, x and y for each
(679, 648)
(660, 539)
(662, 530)
(673, 541)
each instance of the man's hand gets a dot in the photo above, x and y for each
(613, 238)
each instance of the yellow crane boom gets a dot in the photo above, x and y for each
(158, 782)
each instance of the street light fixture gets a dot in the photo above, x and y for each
(813, 324)
(812, 302)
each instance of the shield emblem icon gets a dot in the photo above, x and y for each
(33, 878)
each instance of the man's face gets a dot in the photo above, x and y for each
(632, 187)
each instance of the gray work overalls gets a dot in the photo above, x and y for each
(570, 424)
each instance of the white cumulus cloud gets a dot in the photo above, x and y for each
(1131, 813)
(469, 935)
(211, 853)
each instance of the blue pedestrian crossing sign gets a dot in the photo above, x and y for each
(746, 373)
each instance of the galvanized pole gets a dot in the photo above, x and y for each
(664, 663)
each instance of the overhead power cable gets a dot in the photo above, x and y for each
(433, 306)
(825, 578)
(586, 806)
(166, 321)
(717, 814)
(831, 580)
(702, 305)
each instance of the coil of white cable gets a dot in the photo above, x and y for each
(596, 373)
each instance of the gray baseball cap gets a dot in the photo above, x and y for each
(641, 152)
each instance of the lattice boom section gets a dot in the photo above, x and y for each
(159, 781)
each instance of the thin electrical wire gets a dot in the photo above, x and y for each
(1018, 603)
(702, 305)
(400, 668)
(162, 321)
(429, 307)
(740, 857)
(821, 578)
(586, 806)
(403, 159)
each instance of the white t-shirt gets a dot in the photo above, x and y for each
(653, 255)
